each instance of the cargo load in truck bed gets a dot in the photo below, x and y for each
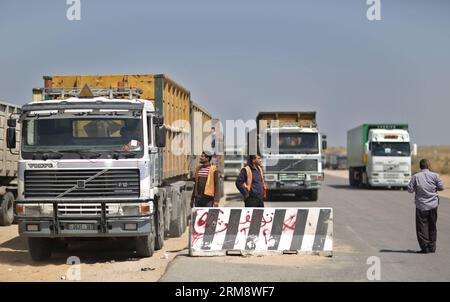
(286, 119)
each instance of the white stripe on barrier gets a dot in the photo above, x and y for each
(310, 229)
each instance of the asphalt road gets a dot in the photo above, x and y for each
(367, 223)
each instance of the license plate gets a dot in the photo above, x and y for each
(81, 226)
(293, 184)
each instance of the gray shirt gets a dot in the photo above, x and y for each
(426, 184)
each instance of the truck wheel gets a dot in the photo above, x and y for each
(351, 177)
(176, 226)
(313, 195)
(40, 248)
(7, 209)
(158, 220)
(145, 245)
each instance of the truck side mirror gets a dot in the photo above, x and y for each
(367, 148)
(12, 123)
(324, 145)
(11, 137)
(414, 150)
(160, 136)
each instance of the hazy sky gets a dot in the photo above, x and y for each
(241, 57)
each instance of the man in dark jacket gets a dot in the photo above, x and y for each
(426, 184)
(250, 182)
(207, 185)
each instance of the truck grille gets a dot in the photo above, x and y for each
(52, 183)
(93, 209)
(293, 165)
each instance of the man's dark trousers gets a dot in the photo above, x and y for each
(426, 229)
(254, 202)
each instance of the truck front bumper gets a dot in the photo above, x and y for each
(292, 186)
(392, 181)
(103, 225)
(231, 172)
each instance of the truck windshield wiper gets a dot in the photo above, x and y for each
(82, 153)
(48, 154)
(126, 154)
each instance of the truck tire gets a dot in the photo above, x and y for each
(159, 225)
(269, 195)
(353, 181)
(313, 195)
(176, 226)
(7, 209)
(145, 245)
(40, 248)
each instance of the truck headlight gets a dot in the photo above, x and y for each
(271, 177)
(34, 210)
(136, 209)
(130, 210)
(316, 177)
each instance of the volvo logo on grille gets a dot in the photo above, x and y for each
(40, 166)
(81, 184)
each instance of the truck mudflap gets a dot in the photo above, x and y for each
(94, 225)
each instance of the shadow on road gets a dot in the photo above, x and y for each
(399, 251)
(90, 252)
(288, 197)
(17, 243)
(277, 197)
(348, 187)
(234, 197)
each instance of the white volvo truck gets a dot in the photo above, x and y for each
(291, 146)
(99, 167)
(379, 155)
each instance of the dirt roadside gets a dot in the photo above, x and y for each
(445, 180)
(100, 261)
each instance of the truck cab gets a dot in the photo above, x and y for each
(90, 167)
(389, 157)
(292, 153)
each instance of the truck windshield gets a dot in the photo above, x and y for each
(72, 136)
(390, 149)
(296, 143)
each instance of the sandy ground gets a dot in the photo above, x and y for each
(445, 179)
(110, 260)
(114, 261)
(100, 261)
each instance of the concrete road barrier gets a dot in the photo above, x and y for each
(261, 231)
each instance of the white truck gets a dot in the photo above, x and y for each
(379, 155)
(234, 161)
(8, 168)
(101, 162)
(291, 146)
